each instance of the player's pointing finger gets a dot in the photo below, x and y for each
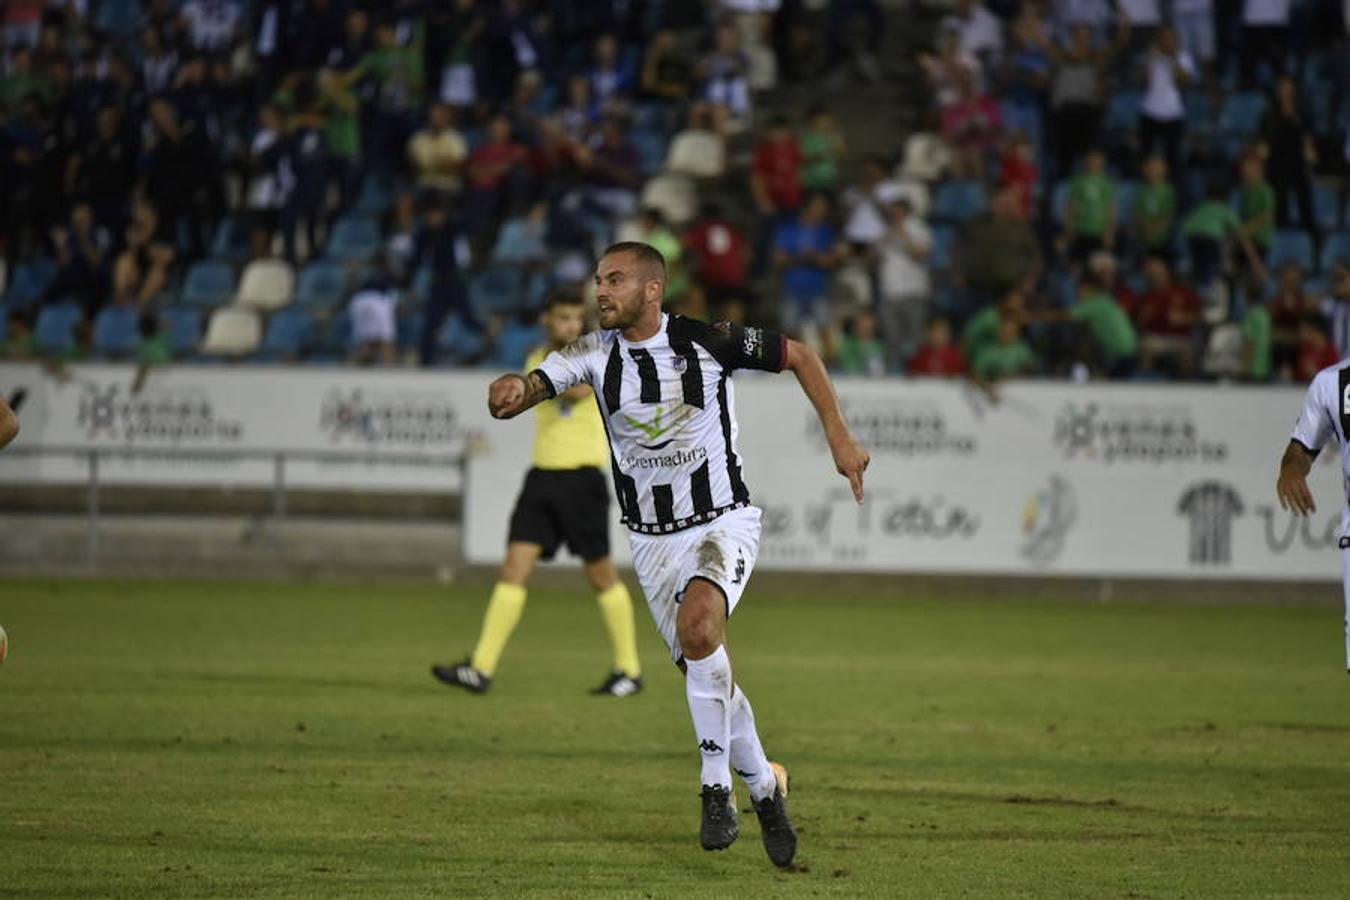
(856, 481)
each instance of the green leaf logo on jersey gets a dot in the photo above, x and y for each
(653, 429)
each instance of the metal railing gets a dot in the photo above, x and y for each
(278, 457)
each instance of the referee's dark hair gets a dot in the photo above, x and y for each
(563, 297)
(646, 254)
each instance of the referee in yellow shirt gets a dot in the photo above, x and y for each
(564, 501)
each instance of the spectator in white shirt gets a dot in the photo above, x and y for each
(1162, 119)
(980, 31)
(903, 254)
(211, 24)
(1265, 36)
(1194, 22)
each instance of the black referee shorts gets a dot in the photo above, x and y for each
(564, 506)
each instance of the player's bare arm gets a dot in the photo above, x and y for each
(850, 458)
(1292, 485)
(9, 423)
(513, 394)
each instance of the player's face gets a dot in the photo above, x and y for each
(620, 290)
(564, 323)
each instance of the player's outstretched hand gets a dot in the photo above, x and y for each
(506, 395)
(1294, 495)
(850, 459)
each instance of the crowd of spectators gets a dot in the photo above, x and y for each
(1096, 190)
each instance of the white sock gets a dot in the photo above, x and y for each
(747, 753)
(707, 683)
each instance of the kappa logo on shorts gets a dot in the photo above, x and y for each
(740, 568)
(708, 745)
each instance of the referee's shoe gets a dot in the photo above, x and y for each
(619, 684)
(463, 675)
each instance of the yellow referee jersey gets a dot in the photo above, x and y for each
(567, 435)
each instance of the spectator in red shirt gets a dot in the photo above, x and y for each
(491, 170)
(1167, 315)
(1316, 351)
(1290, 305)
(1018, 171)
(776, 183)
(971, 126)
(719, 255)
(938, 356)
(776, 175)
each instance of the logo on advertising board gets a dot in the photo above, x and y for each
(1279, 540)
(1211, 507)
(898, 428)
(837, 528)
(173, 415)
(393, 417)
(1156, 434)
(1047, 517)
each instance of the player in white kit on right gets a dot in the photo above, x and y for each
(664, 390)
(1326, 415)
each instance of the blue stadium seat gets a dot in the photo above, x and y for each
(459, 342)
(1336, 249)
(290, 331)
(321, 286)
(54, 331)
(944, 237)
(410, 329)
(959, 201)
(184, 327)
(209, 284)
(334, 338)
(1240, 116)
(232, 240)
(497, 289)
(1059, 202)
(120, 18)
(1326, 206)
(116, 331)
(515, 343)
(31, 279)
(377, 195)
(1122, 112)
(651, 148)
(1291, 245)
(355, 239)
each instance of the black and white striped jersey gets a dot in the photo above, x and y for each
(670, 414)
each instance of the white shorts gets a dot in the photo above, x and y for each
(723, 551)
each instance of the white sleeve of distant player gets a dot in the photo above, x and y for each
(1314, 424)
(572, 365)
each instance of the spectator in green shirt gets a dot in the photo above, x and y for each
(1256, 333)
(861, 352)
(153, 348)
(1007, 357)
(1256, 204)
(982, 328)
(1155, 209)
(1207, 230)
(821, 145)
(1115, 343)
(395, 73)
(1090, 219)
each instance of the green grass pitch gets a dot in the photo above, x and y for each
(243, 740)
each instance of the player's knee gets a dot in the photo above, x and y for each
(700, 623)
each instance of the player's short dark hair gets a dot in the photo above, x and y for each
(645, 253)
(563, 297)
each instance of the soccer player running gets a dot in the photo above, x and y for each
(1325, 415)
(665, 396)
(564, 500)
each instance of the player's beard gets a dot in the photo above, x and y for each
(621, 315)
